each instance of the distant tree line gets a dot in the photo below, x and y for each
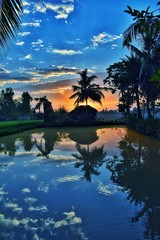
(20, 108)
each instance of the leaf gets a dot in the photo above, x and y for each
(129, 8)
(147, 9)
(127, 11)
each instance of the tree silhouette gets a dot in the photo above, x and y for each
(89, 159)
(7, 104)
(47, 142)
(123, 77)
(137, 172)
(86, 89)
(24, 107)
(145, 30)
(10, 12)
(47, 107)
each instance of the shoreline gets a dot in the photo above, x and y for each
(12, 127)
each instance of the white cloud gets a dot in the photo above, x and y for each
(25, 3)
(23, 34)
(29, 56)
(43, 187)
(66, 51)
(67, 1)
(20, 43)
(26, 11)
(40, 8)
(42, 208)
(103, 38)
(69, 179)
(39, 41)
(26, 190)
(62, 10)
(32, 24)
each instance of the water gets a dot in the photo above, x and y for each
(79, 183)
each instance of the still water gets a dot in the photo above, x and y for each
(79, 183)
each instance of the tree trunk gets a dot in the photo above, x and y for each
(148, 108)
(86, 101)
(138, 105)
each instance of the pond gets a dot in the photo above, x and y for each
(79, 183)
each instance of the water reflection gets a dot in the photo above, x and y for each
(37, 202)
(46, 143)
(8, 146)
(89, 160)
(138, 172)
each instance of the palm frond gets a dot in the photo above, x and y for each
(9, 20)
(76, 88)
(131, 33)
(74, 95)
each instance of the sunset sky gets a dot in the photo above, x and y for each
(58, 38)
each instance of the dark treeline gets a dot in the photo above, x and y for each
(136, 76)
(21, 108)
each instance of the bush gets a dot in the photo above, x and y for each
(149, 127)
(132, 121)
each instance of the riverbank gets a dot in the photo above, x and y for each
(149, 127)
(12, 127)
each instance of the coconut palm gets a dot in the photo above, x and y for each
(47, 107)
(86, 89)
(123, 77)
(145, 30)
(10, 12)
(89, 160)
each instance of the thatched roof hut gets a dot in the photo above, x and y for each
(83, 112)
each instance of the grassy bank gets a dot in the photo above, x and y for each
(11, 127)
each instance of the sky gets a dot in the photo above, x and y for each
(59, 38)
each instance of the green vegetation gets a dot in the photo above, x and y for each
(11, 127)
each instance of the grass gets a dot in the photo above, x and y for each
(11, 127)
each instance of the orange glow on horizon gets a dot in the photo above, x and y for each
(109, 102)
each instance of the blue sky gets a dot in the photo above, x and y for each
(60, 37)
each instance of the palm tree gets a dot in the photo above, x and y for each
(123, 77)
(47, 107)
(145, 30)
(10, 12)
(86, 89)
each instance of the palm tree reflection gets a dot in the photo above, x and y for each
(89, 160)
(46, 144)
(138, 172)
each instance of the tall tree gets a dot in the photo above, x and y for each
(7, 104)
(47, 107)
(123, 77)
(86, 89)
(24, 107)
(145, 30)
(10, 12)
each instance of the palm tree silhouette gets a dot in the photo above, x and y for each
(46, 144)
(145, 30)
(47, 107)
(90, 160)
(10, 12)
(86, 89)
